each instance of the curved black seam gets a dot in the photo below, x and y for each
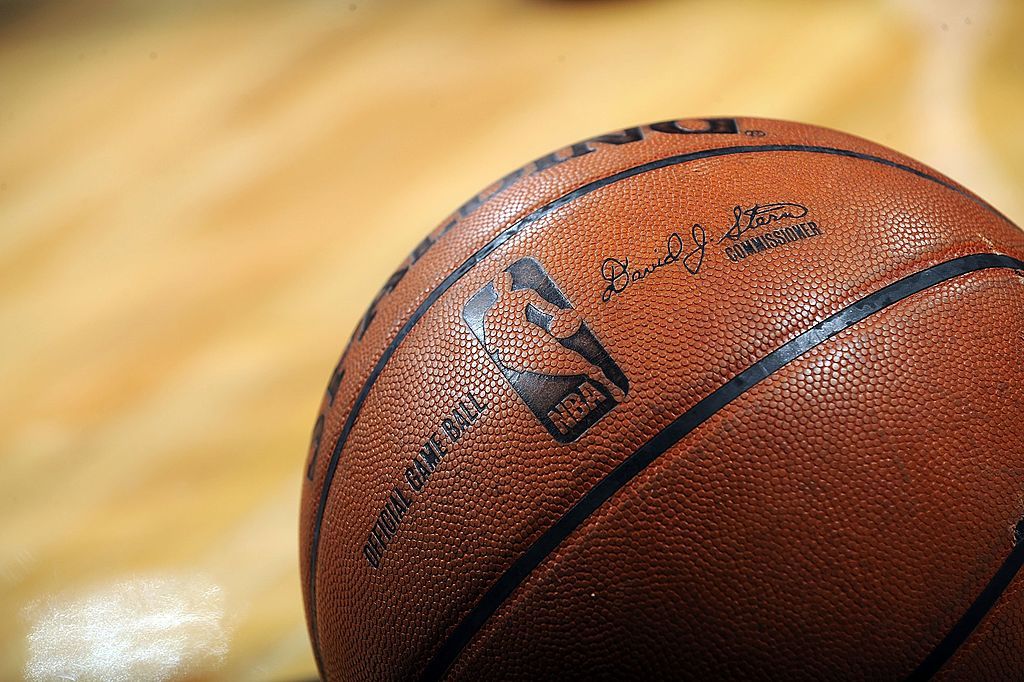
(972, 617)
(510, 232)
(522, 567)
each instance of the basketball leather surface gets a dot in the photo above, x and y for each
(716, 398)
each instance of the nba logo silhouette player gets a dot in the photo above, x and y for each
(545, 349)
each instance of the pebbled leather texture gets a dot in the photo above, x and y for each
(836, 518)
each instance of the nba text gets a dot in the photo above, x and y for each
(575, 407)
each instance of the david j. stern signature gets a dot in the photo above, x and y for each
(618, 275)
(616, 272)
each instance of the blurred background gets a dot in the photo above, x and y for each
(198, 200)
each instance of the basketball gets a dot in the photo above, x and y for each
(717, 398)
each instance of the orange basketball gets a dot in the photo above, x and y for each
(717, 398)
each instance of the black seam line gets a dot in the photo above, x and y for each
(975, 613)
(510, 232)
(626, 471)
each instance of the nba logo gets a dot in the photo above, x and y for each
(546, 351)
